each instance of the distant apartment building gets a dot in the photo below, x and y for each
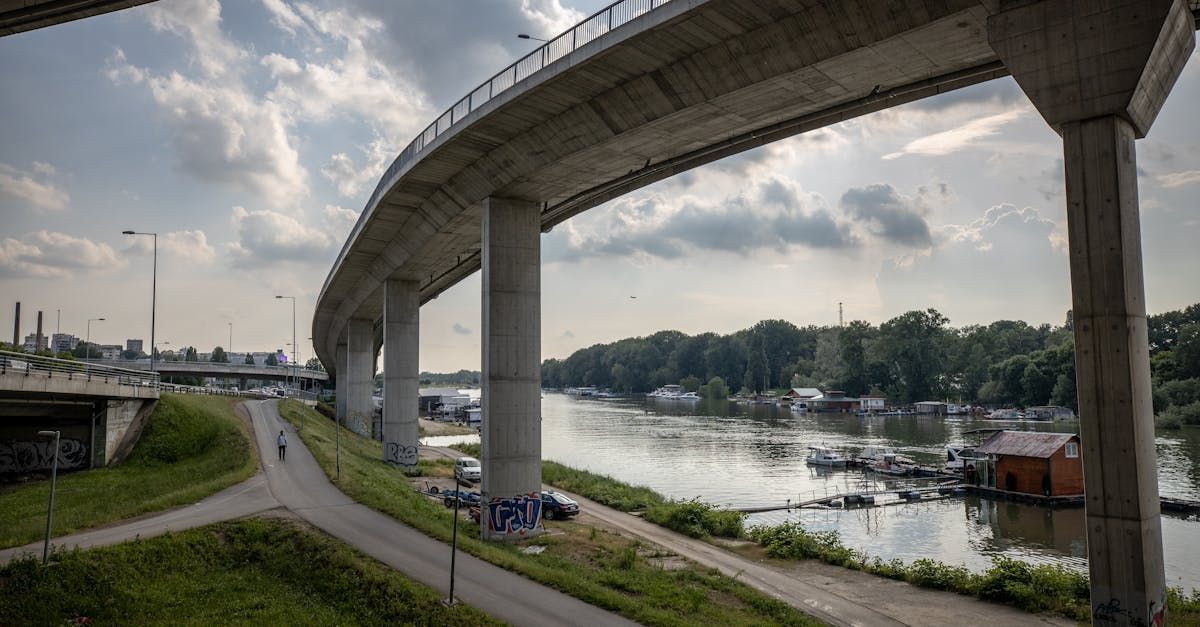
(63, 342)
(33, 343)
(111, 351)
(133, 345)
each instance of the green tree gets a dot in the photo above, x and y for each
(1187, 351)
(249, 359)
(219, 356)
(715, 388)
(690, 383)
(190, 354)
(854, 378)
(1036, 386)
(911, 344)
(272, 360)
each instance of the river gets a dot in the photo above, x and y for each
(746, 455)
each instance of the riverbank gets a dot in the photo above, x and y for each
(605, 569)
(191, 447)
(1035, 588)
(255, 571)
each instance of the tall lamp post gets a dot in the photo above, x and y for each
(293, 337)
(57, 435)
(88, 351)
(230, 349)
(153, 291)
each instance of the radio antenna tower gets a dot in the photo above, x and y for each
(840, 321)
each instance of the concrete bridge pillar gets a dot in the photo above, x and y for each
(1098, 72)
(512, 417)
(360, 379)
(340, 389)
(401, 375)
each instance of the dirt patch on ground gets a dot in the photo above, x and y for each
(435, 427)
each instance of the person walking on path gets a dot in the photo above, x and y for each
(282, 442)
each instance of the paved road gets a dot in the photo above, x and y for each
(244, 499)
(836, 595)
(302, 487)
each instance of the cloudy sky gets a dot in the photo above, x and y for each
(250, 134)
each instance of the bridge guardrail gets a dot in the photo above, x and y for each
(599, 24)
(27, 364)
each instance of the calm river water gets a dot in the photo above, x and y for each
(728, 454)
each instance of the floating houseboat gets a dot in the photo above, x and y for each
(1027, 463)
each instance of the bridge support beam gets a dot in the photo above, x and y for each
(1098, 72)
(511, 395)
(360, 378)
(340, 389)
(401, 375)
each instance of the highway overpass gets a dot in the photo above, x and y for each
(647, 89)
(207, 369)
(98, 409)
(17, 16)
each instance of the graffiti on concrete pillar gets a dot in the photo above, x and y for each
(16, 456)
(396, 453)
(517, 515)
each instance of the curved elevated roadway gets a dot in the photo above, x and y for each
(646, 89)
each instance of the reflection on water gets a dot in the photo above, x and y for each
(752, 455)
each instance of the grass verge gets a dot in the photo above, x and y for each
(257, 571)
(192, 446)
(604, 569)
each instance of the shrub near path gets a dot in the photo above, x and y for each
(191, 447)
(601, 568)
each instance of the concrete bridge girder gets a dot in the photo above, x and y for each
(641, 104)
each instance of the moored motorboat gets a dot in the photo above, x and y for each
(821, 455)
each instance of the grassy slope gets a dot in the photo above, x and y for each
(259, 571)
(192, 446)
(600, 568)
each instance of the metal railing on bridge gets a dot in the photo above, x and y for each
(588, 30)
(23, 363)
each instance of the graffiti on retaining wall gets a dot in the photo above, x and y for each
(396, 453)
(17, 456)
(515, 515)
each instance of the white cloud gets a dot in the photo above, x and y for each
(190, 246)
(200, 22)
(956, 139)
(354, 82)
(1179, 179)
(283, 17)
(220, 130)
(350, 177)
(49, 254)
(266, 237)
(339, 221)
(27, 187)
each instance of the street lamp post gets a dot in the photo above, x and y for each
(57, 435)
(87, 359)
(153, 291)
(293, 337)
(230, 349)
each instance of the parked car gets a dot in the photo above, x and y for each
(467, 469)
(558, 506)
(468, 498)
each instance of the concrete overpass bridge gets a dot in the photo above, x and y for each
(17, 16)
(207, 369)
(646, 89)
(99, 410)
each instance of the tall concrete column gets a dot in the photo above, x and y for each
(401, 375)
(511, 395)
(360, 380)
(340, 389)
(1098, 72)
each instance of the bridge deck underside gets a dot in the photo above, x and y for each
(674, 83)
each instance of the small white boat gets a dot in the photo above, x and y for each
(688, 396)
(959, 457)
(825, 456)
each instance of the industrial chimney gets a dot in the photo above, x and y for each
(37, 340)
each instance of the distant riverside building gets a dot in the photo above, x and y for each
(33, 343)
(111, 351)
(133, 345)
(63, 342)
(871, 403)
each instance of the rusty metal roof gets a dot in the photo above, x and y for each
(1025, 443)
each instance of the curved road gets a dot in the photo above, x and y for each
(299, 485)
